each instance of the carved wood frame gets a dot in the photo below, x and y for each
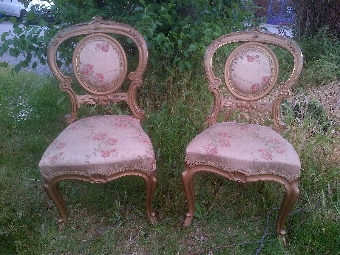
(291, 187)
(117, 47)
(52, 189)
(229, 62)
(254, 36)
(99, 27)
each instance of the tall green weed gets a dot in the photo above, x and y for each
(177, 31)
(313, 16)
(321, 59)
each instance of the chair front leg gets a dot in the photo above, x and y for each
(292, 193)
(187, 181)
(53, 192)
(150, 192)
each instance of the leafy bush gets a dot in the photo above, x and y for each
(176, 30)
(232, 218)
(321, 54)
(311, 16)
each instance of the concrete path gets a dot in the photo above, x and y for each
(282, 30)
(7, 26)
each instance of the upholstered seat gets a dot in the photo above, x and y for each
(238, 143)
(100, 148)
(114, 144)
(245, 148)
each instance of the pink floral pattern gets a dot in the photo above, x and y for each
(104, 47)
(87, 69)
(100, 77)
(210, 150)
(107, 153)
(255, 87)
(61, 145)
(225, 143)
(252, 58)
(99, 136)
(97, 146)
(265, 154)
(93, 70)
(54, 158)
(111, 141)
(265, 79)
(225, 134)
(280, 150)
(251, 71)
(251, 149)
(146, 140)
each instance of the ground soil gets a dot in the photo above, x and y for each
(327, 95)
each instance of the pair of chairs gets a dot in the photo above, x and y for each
(99, 149)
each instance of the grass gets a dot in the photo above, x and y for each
(110, 218)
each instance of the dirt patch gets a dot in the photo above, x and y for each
(328, 96)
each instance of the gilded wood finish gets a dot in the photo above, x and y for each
(53, 192)
(228, 105)
(99, 27)
(249, 104)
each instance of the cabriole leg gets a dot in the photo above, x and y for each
(150, 192)
(292, 193)
(187, 181)
(53, 192)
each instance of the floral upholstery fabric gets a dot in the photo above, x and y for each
(93, 68)
(99, 145)
(246, 148)
(251, 71)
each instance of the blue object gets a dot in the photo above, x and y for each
(280, 13)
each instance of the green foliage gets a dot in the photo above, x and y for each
(231, 218)
(26, 42)
(321, 59)
(320, 45)
(312, 16)
(177, 31)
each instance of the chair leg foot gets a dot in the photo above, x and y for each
(152, 218)
(61, 224)
(53, 192)
(187, 181)
(188, 220)
(292, 193)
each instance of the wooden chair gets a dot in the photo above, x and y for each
(99, 148)
(246, 89)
